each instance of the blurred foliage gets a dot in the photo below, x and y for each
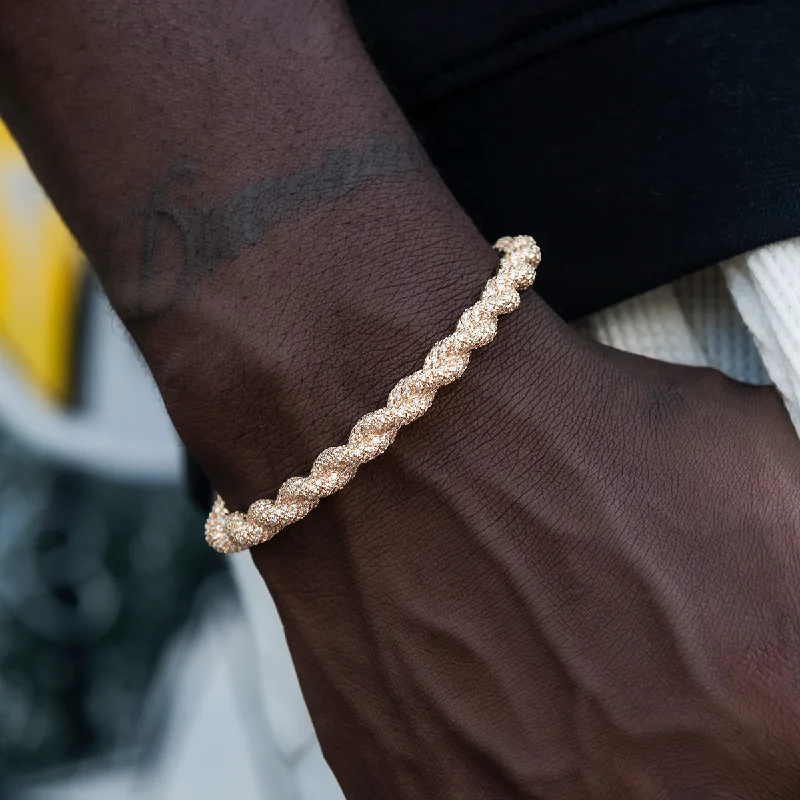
(94, 579)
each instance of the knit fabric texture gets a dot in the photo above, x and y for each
(741, 317)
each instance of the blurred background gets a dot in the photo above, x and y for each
(134, 661)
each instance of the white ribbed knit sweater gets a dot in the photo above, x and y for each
(741, 317)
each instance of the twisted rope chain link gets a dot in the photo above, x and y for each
(230, 532)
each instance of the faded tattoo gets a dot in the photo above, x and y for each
(172, 242)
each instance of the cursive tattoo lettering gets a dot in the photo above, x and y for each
(176, 242)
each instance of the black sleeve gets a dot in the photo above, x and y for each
(638, 141)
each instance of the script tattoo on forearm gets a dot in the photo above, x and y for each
(163, 248)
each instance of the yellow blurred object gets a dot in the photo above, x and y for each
(41, 269)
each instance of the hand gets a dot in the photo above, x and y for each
(575, 577)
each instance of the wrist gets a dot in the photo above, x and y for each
(262, 373)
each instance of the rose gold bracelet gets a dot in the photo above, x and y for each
(230, 532)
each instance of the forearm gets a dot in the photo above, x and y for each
(127, 109)
(253, 202)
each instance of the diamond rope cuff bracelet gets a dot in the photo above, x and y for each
(230, 532)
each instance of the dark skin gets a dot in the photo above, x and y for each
(575, 577)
